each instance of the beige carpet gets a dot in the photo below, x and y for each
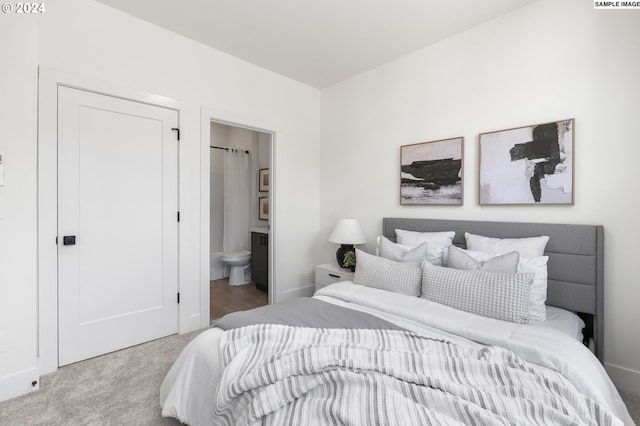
(633, 404)
(121, 388)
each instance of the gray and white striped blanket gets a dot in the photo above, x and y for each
(283, 375)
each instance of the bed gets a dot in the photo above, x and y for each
(364, 355)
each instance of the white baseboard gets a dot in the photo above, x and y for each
(306, 291)
(624, 378)
(191, 324)
(19, 383)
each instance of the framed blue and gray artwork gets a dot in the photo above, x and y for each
(431, 173)
(528, 165)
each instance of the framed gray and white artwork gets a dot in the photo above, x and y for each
(528, 165)
(431, 173)
(263, 180)
(263, 208)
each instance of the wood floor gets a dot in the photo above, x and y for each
(226, 298)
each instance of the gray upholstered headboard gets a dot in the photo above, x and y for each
(576, 261)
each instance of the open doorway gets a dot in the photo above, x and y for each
(240, 188)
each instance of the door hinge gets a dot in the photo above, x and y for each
(177, 130)
(178, 297)
(178, 216)
(56, 240)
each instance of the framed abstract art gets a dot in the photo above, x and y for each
(431, 172)
(528, 165)
(263, 208)
(263, 180)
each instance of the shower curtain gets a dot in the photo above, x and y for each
(237, 193)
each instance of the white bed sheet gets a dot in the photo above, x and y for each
(564, 321)
(188, 391)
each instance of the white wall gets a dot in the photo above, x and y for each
(261, 161)
(18, 221)
(552, 60)
(90, 39)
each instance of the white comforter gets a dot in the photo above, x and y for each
(188, 391)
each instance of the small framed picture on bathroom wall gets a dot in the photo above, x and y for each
(263, 180)
(263, 208)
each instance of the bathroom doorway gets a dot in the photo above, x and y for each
(239, 231)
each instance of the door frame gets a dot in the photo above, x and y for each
(207, 116)
(49, 79)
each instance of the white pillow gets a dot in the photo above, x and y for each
(500, 296)
(527, 247)
(385, 274)
(537, 266)
(401, 253)
(538, 296)
(437, 241)
(504, 263)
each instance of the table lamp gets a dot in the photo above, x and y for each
(347, 232)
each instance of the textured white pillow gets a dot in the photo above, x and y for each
(385, 274)
(400, 253)
(505, 263)
(500, 296)
(527, 247)
(535, 265)
(437, 241)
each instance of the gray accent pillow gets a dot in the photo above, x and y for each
(392, 251)
(385, 274)
(505, 263)
(438, 243)
(500, 296)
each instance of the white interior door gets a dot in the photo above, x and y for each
(117, 195)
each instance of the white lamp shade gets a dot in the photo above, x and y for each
(347, 231)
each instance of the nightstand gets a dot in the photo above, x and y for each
(328, 274)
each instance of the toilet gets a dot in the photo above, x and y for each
(238, 262)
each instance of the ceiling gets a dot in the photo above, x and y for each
(317, 42)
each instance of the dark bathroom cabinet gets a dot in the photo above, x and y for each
(260, 260)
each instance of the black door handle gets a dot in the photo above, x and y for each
(69, 240)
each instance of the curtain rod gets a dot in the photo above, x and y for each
(227, 149)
